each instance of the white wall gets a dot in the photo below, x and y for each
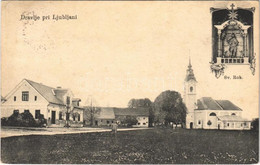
(189, 119)
(80, 112)
(190, 100)
(143, 120)
(236, 125)
(204, 116)
(199, 117)
(10, 105)
(57, 109)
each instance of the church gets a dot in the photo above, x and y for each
(208, 113)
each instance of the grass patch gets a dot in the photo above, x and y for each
(142, 146)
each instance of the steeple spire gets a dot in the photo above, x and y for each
(189, 63)
(190, 74)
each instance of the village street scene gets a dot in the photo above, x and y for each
(24, 109)
(87, 82)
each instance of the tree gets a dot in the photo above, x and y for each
(89, 114)
(145, 103)
(91, 109)
(135, 103)
(129, 121)
(168, 107)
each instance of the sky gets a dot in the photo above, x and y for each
(116, 51)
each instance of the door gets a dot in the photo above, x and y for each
(191, 125)
(53, 117)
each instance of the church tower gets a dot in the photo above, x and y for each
(190, 96)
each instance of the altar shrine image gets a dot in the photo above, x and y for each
(232, 36)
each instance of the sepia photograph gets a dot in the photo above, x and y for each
(129, 82)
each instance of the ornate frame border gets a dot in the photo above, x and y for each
(219, 69)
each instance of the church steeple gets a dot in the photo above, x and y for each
(189, 96)
(189, 74)
(189, 62)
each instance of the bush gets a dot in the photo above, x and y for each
(23, 120)
(41, 121)
(255, 124)
(14, 120)
(4, 121)
(27, 120)
(129, 121)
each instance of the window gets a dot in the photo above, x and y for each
(26, 111)
(191, 89)
(233, 114)
(139, 123)
(78, 117)
(37, 114)
(35, 98)
(60, 115)
(107, 122)
(74, 117)
(14, 98)
(68, 100)
(144, 118)
(25, 96)
(212, 114)
(112, 121)
(144, 123)
(67, 116)
(199, 122)
(228, 124)
(16, 111)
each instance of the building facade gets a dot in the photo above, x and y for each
(141, 115)
(207, 113)
(219, 114)
(189, 95)
(39, 99)
(108, 115)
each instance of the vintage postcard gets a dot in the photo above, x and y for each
(130, 82)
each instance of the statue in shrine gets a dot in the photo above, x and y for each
(232, 34)
(233, 43)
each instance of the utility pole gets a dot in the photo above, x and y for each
(67, 113)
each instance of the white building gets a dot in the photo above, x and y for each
(37, 99)
(109, 115)
(189, 96)
(207, 113)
